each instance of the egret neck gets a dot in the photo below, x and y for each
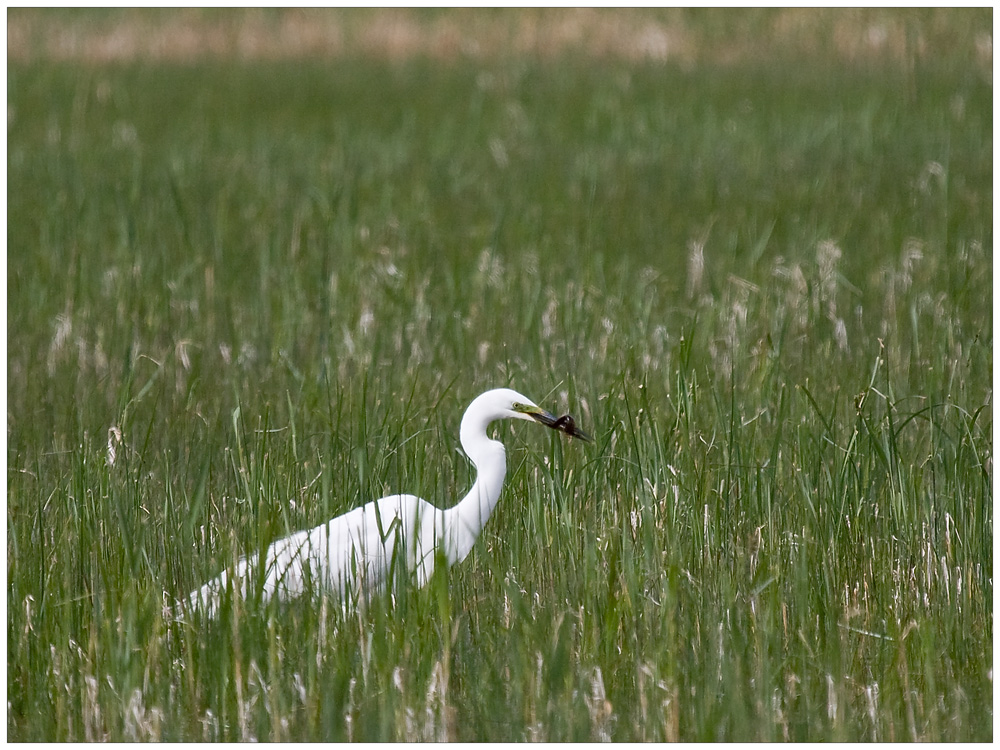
(464, 520)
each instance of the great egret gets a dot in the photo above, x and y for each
(358, 551)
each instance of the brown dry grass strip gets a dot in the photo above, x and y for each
(877, 37)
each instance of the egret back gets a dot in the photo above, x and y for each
(371, 545)
(354, 555)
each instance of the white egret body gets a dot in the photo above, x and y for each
(358, 552)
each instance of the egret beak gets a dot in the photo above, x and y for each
(565, 423)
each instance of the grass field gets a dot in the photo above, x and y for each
(246, 295)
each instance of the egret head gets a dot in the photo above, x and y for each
(504, 403)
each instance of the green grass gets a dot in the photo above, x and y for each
(765, 289)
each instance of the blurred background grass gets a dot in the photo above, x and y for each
(879, 37)
(259, 262)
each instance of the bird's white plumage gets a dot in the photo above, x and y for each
(355, 553)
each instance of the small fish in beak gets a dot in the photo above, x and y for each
(565, 423)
